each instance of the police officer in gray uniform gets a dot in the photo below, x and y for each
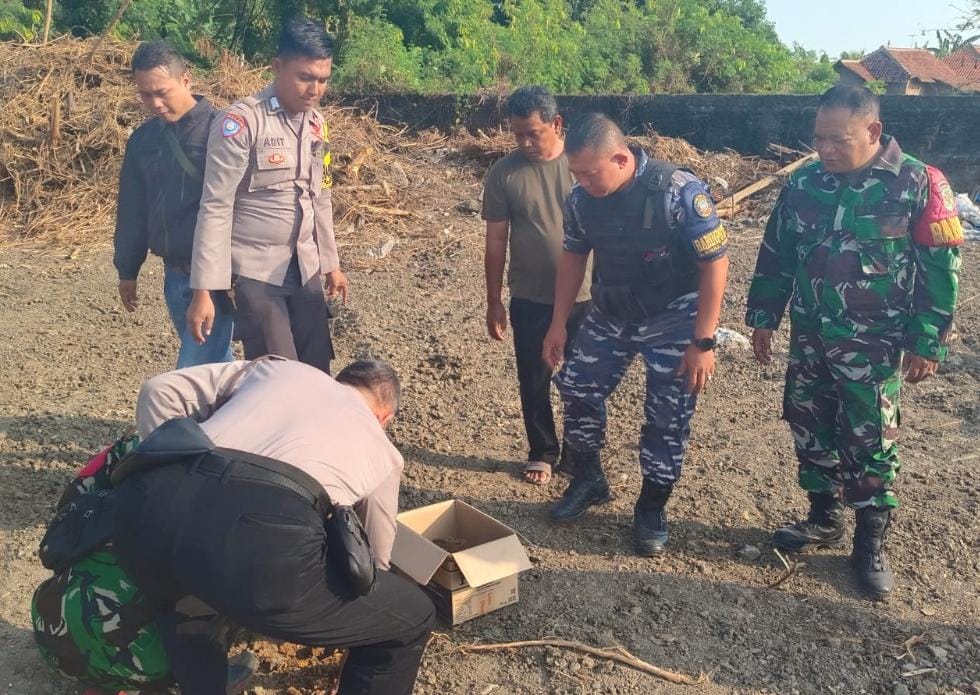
(660, 265)
(265, 226)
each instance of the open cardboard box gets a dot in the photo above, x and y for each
(475, 569)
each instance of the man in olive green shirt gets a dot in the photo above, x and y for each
(523, 202)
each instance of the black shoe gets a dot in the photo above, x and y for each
(588, 487)
(650, 519)
(823, 527)
(868, 557)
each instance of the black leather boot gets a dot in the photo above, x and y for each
(822, 528)
(868, 557)
(588, 487)
(650, 519)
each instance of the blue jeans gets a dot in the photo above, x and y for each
(217, 348)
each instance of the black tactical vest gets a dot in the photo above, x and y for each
(639, 264)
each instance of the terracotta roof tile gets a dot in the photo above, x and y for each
(899, 64)
(856, 67)
(966, 64)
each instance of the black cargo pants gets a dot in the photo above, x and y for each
(257, 554)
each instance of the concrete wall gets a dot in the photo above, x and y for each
(944, 131)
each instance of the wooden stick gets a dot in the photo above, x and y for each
(47, 21)
(361, 187)
(54, 124)
(765, 182)
(790, 569)
(43, 82)
(912, 641)
(618, 654)
(781, 558)
(123, 6)
(354, 168)
(728, 210)
(967, 301)
(459, 239)
(918, 672)
(394, 212)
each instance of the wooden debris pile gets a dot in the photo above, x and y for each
(69, 111)
(70, 105)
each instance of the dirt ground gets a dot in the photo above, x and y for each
(72, 360)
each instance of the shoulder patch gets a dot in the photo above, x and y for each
(232, 125)
(712, 243)
(947, 195)
(939, 225)
(699, 222)
(697, 209)
(703, 207)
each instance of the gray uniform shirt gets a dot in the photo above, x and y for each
(264, 198)
(294, 413)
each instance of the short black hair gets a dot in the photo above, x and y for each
(593, 131)
(159, 54)
(301, 37)
(858, 99)
(526, 101)
(375, 376)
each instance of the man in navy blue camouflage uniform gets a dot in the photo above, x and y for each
(660, 265)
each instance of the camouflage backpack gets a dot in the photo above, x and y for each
(91, 622)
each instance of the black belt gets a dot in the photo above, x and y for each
(182, 440)
(241, 465)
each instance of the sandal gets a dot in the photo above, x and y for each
(537, 467)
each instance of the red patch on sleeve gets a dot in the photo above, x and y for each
(232, 125)
(939, 225)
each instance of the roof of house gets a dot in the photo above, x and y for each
(855, 67)
(900, 64)
(966, 64)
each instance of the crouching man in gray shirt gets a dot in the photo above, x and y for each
(250, 542)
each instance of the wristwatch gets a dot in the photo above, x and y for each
(705, 344)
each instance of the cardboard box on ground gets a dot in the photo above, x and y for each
(467, 561)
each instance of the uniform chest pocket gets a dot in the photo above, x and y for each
(881, 256)
(881, 233)
(274, 168)
(809, 236)
(888, 219)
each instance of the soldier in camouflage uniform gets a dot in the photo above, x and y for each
(93, 624)
(660, 266)
(862, 245)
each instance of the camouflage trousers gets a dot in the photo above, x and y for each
(841, 403)
(600, 356)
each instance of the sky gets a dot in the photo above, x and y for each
(847, 25)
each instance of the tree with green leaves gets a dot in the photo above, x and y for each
(463, 46)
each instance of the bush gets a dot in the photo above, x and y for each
(18, 22)
(374, 58)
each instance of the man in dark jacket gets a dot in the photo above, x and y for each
(159, 194)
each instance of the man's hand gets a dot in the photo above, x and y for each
(762, 344)
(336, 283)
(496, 320)
(553, 346)
(200, 316)
(916, 369)
(699, 365)
(127, 293)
